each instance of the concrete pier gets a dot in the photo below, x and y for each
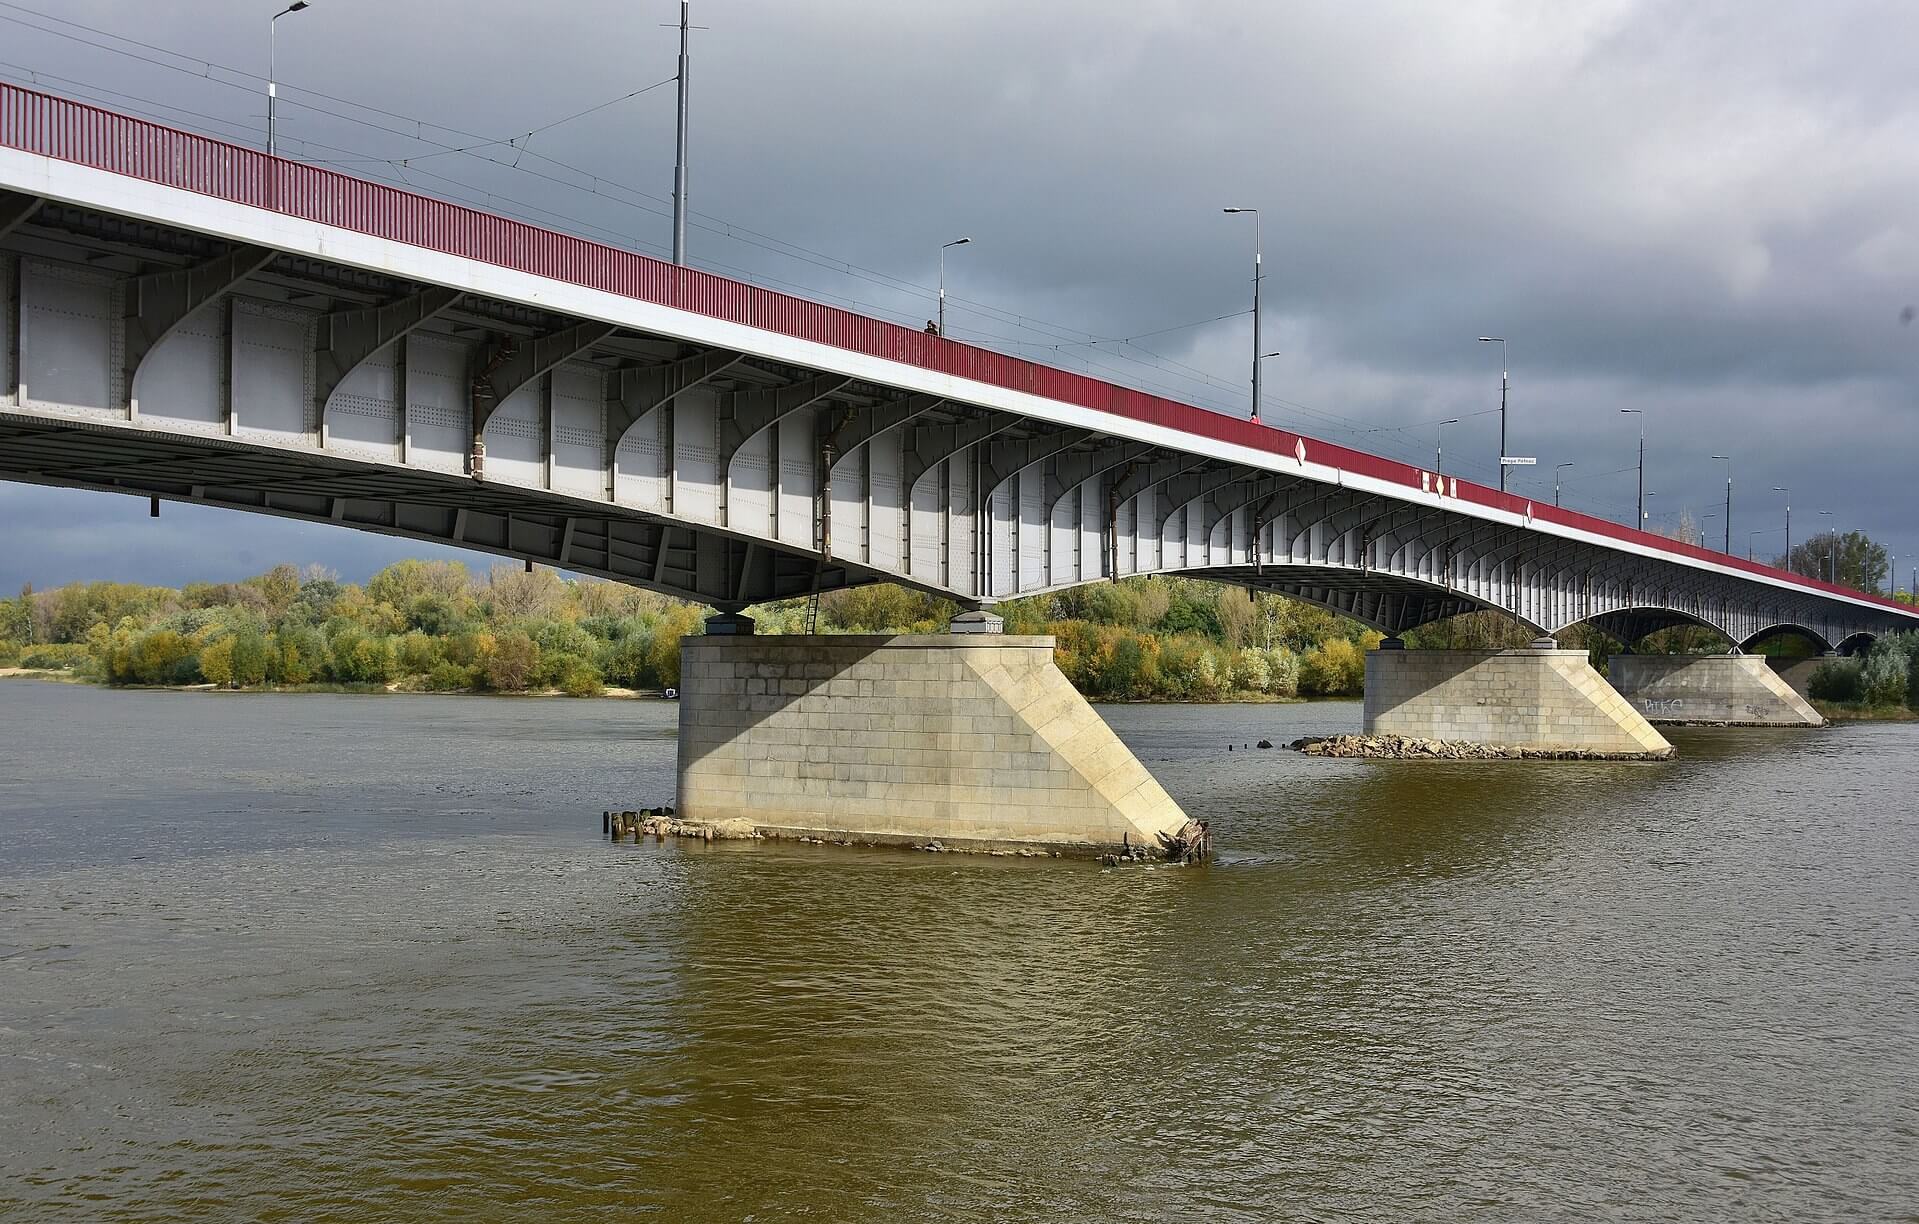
(1739, 690)
(1546, 699)
(974, 740)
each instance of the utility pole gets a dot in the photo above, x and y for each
(1641, 414)
(1788, 493)
(1728, 459)
(1504, 380)
(679, 157)
(941, 325)
(1439, 444)
(1258, 275)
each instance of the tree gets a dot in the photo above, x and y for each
(1862, 564)
(513, 664)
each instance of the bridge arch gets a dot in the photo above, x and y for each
(1786, 630)
(1633, 624)
(1857, 644)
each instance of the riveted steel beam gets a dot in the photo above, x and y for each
(159, 302)
(350, 338)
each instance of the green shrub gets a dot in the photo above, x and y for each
(362, 658)
(514, 663)
(418, 654)
(581, 679)
(1836, 681)
(451, 677)
(1334, 668)
(297, 654)
(63, 656)
(1883, 678)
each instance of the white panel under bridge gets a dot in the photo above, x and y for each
(189, 320)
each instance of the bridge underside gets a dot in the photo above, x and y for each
(699, 564)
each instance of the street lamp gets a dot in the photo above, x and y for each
(1557, 467)
(1728, 459)
(1504, 370)
(943, 246)
(1788, 493)
(1703, 519)
(1751, 535)
(1832, 548)
(273, 88)
(1258, 275)
(1641, 414)
(1439, 442)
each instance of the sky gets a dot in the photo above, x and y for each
(1708, 212)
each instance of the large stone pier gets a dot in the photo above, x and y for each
(1545, 699)
(974, 740)
(1737, 689)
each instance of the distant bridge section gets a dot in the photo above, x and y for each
(192, 320)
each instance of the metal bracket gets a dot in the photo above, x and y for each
(642, 389)
(350, 338)
(745, 414)
(16, 209)
(160, 302)
(507, 365)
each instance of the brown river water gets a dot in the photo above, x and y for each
(340, 957)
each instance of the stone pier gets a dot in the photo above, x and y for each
(974, 740)
(1545, 699)
(1735, 689)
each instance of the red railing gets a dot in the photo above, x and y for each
(106, 140)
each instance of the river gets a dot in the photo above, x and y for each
(297, 957)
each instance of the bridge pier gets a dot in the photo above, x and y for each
(1737, 689)
(1545, 699)
(972, 739)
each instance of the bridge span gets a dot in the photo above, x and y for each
(192, 320)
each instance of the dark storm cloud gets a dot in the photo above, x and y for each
(1703, 210)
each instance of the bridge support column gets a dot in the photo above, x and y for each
(1545, 699)
(1741, 690)
(973, 740)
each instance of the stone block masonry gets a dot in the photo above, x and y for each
(1739, 690)
(972, 740)
(1529, 698)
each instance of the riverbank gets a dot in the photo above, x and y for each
(397, 688)
(1847, 711)
(58, 676)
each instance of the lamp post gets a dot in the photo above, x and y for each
(1439, 442)
(1710, 514)
(273, 55)
(943, 246)
(1832, 548)
(1258, 275)
(1504, 380)
(1751, 535)
(1557, 468)
(1788, 493)
(1728, 459)
(1641, 414)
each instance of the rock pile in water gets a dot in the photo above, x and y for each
(660, 822)
(1410, 748)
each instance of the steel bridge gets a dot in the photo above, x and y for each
(191, 320)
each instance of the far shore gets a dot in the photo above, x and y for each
(56, 676)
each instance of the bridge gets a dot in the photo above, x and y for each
(187, 319)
